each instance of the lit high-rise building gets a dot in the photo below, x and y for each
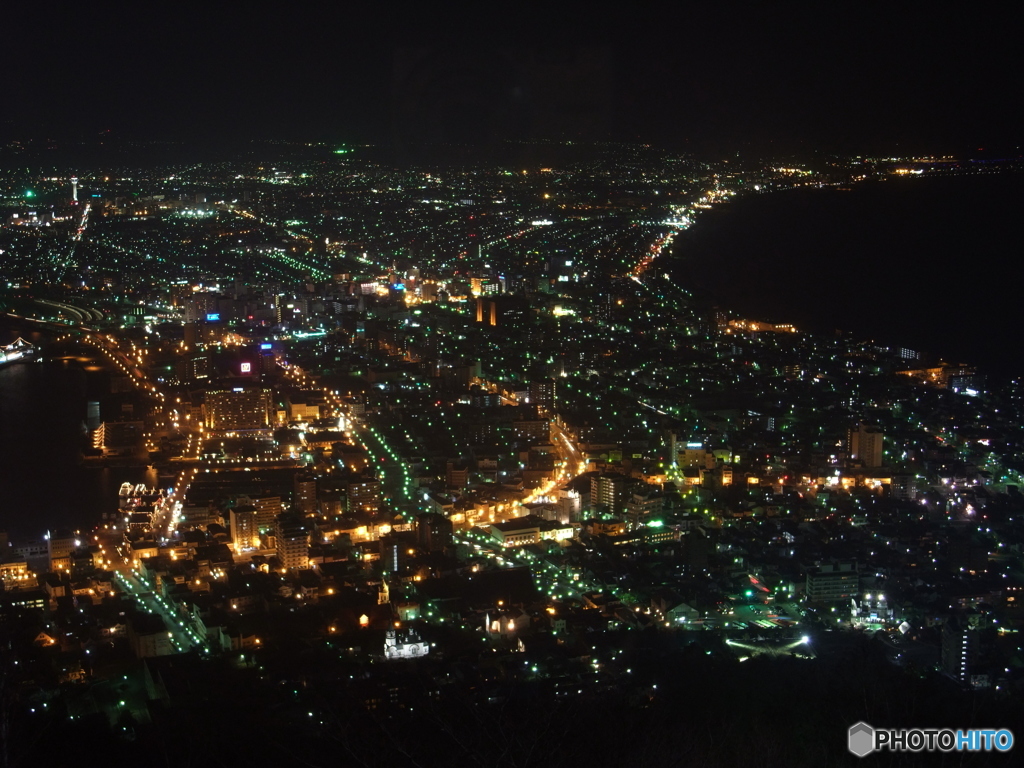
(305, 493)
(363, 495)
(832, 582)
(864, 445)
(608, 493)
(267, 509)
(237, 409)
(960, 640)
(542, 394)
(245, 533)
(292, 542)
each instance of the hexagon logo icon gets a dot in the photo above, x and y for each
(861, 739)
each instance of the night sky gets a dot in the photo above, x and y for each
(765, 76)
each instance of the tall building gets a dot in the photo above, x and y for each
(200, 306)
(832, 582)
(608, 493)
(245, 532)
(960, 642)
(671, 439)
(864, 446)
(148, 636)
(537, 430)
(643, 504)
(542, 394)
(194, 366)
(267, 510)
(570, 506)
(456, 475)
(968, 382)
(92, 415)
(395, 551)
(363, 495)
(433, 532)
(305, 493)
(903, 487)
(486, 311)
(304, 406)
(60, 545)
(118, 437)
(237, 409)
(504, 311)
(292, 542)
(691, 455)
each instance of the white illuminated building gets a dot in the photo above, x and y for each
(404, 644)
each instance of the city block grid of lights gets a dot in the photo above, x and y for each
(374, 442)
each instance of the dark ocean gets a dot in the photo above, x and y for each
(43, 483)
(929, 263)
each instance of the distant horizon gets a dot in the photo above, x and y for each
(81, 152)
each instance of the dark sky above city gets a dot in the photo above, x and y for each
(790, 77)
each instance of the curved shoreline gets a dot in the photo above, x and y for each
(49, 485)
(752, 274)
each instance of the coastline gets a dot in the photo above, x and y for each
(863, 260)
(49, 483)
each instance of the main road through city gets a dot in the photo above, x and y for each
(183, 636)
